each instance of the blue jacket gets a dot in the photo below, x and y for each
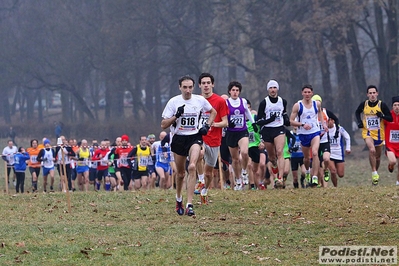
(20, 161)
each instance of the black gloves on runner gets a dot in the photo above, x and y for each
(379, 114)
(232, 124)
(360, 125)
(255, 127)
(180, 111)
(204, 129)
(262, 121)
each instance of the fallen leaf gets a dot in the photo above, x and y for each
(222, 218)
(26, 252)
(137, 208)
(20, 244)
(92, 204)
(262, 259)
(107, 254)
(276, 259)
(278, 244)
(85, 253)
(246, 252)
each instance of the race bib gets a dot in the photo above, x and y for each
(188, 122)
(394, 136)
(334, 142)
(33, 159)
(372, 122)
(238, 120)
(123, 162)
(143, 161)
(251, 137)
(204, 119)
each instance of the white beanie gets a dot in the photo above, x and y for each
(272, 83)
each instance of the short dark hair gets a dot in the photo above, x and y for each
(31, 142)
(248, 102)
(20, 149)
(234, 84)
(186, 78)
(307, 86)
(206, 75)
(372, 87)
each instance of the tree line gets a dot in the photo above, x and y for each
(93, 49)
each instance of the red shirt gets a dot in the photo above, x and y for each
(214, 136)
(122, 152)
(99, 154)
(392, 132)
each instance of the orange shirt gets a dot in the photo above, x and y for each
(33, 152)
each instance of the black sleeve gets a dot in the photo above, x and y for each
(70, 151)
(132, 153)
(290, 138)
(39, 157)
(358, 111)
(261, 110)
(165, 140)
(387, 113)
(285, 106)
(333, 116)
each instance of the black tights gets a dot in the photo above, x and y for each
(20, 181)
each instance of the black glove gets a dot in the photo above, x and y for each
(204, 129)
(336, 134)
(379, 114)
(180, 111)
(232, 124)
(255, 127)
(272, 117)
(81, 159)
(360, 125)
(261, 122)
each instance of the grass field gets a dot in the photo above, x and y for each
(271, 227)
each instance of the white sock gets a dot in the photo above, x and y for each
(188, 204)
(375, 172)
(204, 191)
(201, 178)
(179, 199)
(244, 171)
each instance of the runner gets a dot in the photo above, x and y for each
(8, 155)
(392, 138)
(237, 136)
(184, 111)
(34, 165)
(213, 139)
(140, 155)
(306, 114)
(337, 157)
(369, 115)
(272, 116)
(47, 156)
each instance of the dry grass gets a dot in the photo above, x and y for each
(272, 227)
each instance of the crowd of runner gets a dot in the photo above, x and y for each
(213, 141)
